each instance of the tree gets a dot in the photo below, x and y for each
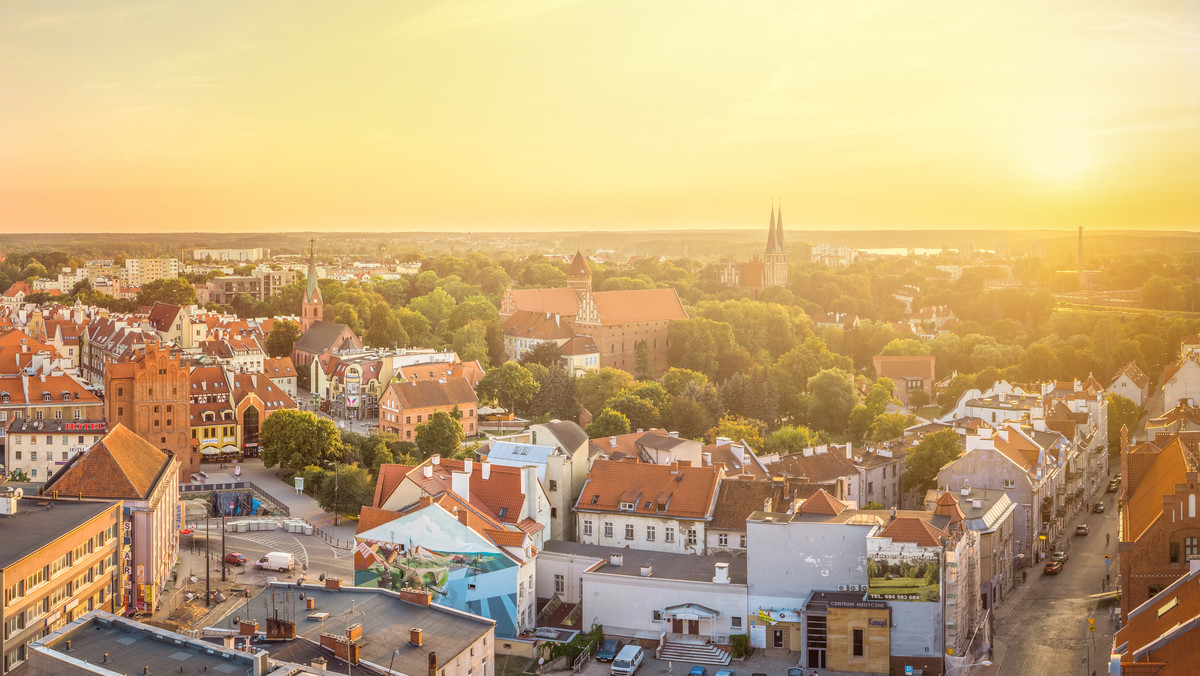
(688, 416)
(471, 309)
(385, 329)
(293, 439)
(435, 306)
(905, 347)
(596, 387)
(608, 423)
(739, 428)
(1122, 411)
(282, 338)
(789, 439)
(928, 457)
(346, 489)
(544, 353)
(469, 342)
(676, 379)
(555, 397)
(511, 385)
(173, 291)
(832, 400)
(891, 425)
(640, 412)
(643, 359)
(442, 435)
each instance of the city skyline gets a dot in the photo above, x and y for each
(502, 115)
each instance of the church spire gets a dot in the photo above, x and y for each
(779, 229)
(774, 243)
(312, 308)
(313, 291)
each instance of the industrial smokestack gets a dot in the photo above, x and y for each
(1081, 258)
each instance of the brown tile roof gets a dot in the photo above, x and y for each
(822, 503)
(537, 326)
(372, 517)
(723, 454)
(915, 530)
(819, 468)
(578, 265)
(639, 305)
(122, 465)
(561, 301)
(1145, 506)
(530, 525)
(1168, 616)
(429, 393)
(163, 316)
(499, 497)
(739, 499)
(947, 505)
(684, 492)
(280, 367)
(578, 345)
(891, 366)
(272, 396)
(390, 477)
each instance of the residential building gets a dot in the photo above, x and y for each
(260, 285)
(282, 373)
(769, 269)
(124, 466)
(241, 353)
(626, 326)
(39, 447)
(237, 255)
(108, 340)
(1132, 384)
(60, 559)
(1159, 636)
(656, 446)
(665, 508)
(881, 467)
(579, 355)
(1184, 417)
(151, 397)
(1159, 530)
(561, 461)
(989, 514)
(1181, 381)
(642, 595)
(406, 405)
(442, 512)
(255, 398)
(824, 464)
(833, 256)
(911, 374)
(214, 428)
(740, 497)
(139, 271)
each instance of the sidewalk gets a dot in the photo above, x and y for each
(301, 505)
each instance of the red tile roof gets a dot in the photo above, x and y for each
(1145, 505)
(499, 497)
(915, 530)
(280, 367)
(120, 465)
(822, 503)
(668, 491)
(430, 393)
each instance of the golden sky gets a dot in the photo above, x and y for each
(573, 114)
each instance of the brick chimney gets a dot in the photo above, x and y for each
(420, 597)
(333, 583)
(463, 515)
(414, 636)
(248, 628)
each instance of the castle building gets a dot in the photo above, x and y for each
(769, 269)
(150, 396)
(628, 328)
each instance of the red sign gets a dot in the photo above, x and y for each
(85, 427)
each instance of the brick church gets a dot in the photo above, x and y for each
(769, 269)
(616, 321)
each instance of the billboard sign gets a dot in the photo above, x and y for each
(902, 571)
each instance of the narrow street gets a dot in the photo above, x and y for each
(1044, 630)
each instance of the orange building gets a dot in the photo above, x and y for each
(405, 405)
(150, 396)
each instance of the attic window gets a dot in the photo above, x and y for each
(45, 396)
(1167, 606)
(66, 396)
(647, 505)
(4, 397)
(595, 498)
(503, 512)
(628, 506)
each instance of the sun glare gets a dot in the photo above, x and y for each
(1058, 156)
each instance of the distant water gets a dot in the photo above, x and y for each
(915, 251)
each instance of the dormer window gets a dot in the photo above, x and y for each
(627, 506)
(4, 397)
(66, 396)
(45, 396)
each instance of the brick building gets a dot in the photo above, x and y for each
(619, 323)
(1160, 531)
(150, 396)
(1160, 636)
(406, 405)
(60, 560)
(910, 373)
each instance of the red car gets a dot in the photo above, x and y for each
(1053, 568)
(235, 559)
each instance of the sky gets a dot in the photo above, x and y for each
(493, 115)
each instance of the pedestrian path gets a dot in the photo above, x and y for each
(300, 505)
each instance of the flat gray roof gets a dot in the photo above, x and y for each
(666, 565)
(132, 645)
(40, 521)
(385, 618)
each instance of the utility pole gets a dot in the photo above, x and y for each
(223, 562)
(207, 562)
(335, 494)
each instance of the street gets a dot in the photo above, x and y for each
(1046, 631)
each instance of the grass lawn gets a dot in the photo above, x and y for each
(509, 665)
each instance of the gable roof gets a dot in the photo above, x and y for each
(893, 366)
(561, 301)
(915, 530)
(822, 503)
(567, 433)
(428, 393)
(639, 305)
(819, 468)
(681, 491)
(163, 316)
(325, 336)
(1170, 615)
(122, 465)
(1145, 505)
(537, 326)
(280, 367)
(499, 497)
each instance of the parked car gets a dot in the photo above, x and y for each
(698, 671)
(723, 672)
(235, 559)
(1081, 529)
(1053, 568)
(280, 561)
(792, 671)
(1114, 486)
(627, 661)
(1059, 556)
(1098, 508)
(609, 649)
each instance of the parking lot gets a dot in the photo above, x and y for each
(755, 664)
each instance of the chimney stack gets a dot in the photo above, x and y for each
(486, 469)
(433, 664)
(414, 636)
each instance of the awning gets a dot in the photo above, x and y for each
(209, 450)
(229, 448)
(690, 611)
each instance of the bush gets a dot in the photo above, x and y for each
(739, 645)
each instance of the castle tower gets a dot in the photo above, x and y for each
(775, 259)
(312, 308)
(579, 277)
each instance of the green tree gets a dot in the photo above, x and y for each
(905, 347)
(739, 428)
(345, 490)
(832, 400)
(282, 338)
(640, 412)
(385, 329)
(675, 380)
(643, 360)
(928, 457)
(544, 353)
(173, 291)
(891, 425)
(469, 342)
(555, 397)
(293, 439)
(442, 435)
(471, 309)
(511, 385)
(596, 387)
(688, 416)
(608, 423)
(789, 439)
(1122, 411)
(435, 306)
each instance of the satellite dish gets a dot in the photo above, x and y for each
(18, 493)
(237, 619)
(541, 660)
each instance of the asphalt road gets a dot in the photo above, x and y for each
(1047, 631)
(309, 550)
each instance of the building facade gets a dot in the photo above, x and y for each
(150, 397)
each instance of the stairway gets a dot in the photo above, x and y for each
(693, 653)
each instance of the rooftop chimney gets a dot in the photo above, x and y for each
(467, 467)
(707, 459)
(333, 583)
(427, 470)
(460, 483)
(721, 575)
(616, 559)
(420, 597)
(414, 636)
(486, 469)
(647, 570)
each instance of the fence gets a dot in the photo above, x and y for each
(333, 541)
(263, 497)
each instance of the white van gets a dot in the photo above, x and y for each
(281, 561)
(627, 661)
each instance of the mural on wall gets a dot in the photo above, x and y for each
(431, 550)
(899, 571)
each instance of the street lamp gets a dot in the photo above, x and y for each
(985, 663)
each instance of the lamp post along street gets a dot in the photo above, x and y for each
(207, 562)
(223, 562)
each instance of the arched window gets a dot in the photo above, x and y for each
(45, 396)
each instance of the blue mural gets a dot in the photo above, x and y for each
(430, 549)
